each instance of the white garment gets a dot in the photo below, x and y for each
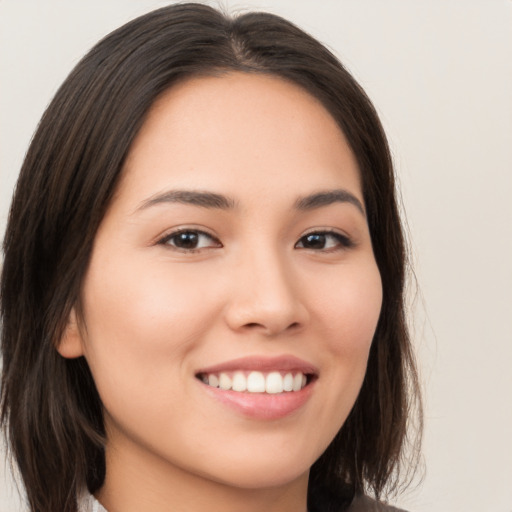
(89, 503)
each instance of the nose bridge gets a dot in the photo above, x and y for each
(265, 295)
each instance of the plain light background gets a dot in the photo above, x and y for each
(440, 75)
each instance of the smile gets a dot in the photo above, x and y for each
(256, 381)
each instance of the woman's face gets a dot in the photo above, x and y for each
(235, 253)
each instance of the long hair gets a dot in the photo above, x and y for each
(50, 408)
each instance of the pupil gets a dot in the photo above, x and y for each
(315, 241)
(187, 240)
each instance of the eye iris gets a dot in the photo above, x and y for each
(187, 240)
(314, 241)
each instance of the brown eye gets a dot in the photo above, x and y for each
(187, 240)
(190, 240)
(324, 240)
(314, 241)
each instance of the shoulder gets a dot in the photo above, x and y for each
(366, 504)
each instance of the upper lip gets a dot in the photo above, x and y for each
(263, 364)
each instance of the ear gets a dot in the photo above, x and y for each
(70, 346)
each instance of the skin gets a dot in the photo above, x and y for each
(155, 313)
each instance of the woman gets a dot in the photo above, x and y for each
(202, 294)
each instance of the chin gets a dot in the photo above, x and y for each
(260, 469)
(262, 477)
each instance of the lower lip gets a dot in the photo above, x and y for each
(262, 406)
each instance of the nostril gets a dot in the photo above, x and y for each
(253, 324)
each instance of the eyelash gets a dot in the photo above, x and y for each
(167, 238)
(342, 241)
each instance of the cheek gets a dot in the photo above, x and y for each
(349, 310)
(349, 314)
(141, 318)
(141, 296)
(346, 309)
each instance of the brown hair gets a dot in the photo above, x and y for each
(50, 408)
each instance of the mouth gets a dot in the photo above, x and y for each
(260, 375)
(243, 381)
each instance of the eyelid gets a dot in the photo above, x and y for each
(164, 239)
(345, 241)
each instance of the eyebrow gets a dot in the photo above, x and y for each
(193, 197)
(328, 197)
(205, 199)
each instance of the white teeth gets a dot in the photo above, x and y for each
(288, 382)
(256, 382)
(224, 381)
(297, 382)
(239, 382)
(274, 383)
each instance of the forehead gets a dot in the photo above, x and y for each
(210, 132)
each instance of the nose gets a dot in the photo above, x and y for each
(265, 298)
